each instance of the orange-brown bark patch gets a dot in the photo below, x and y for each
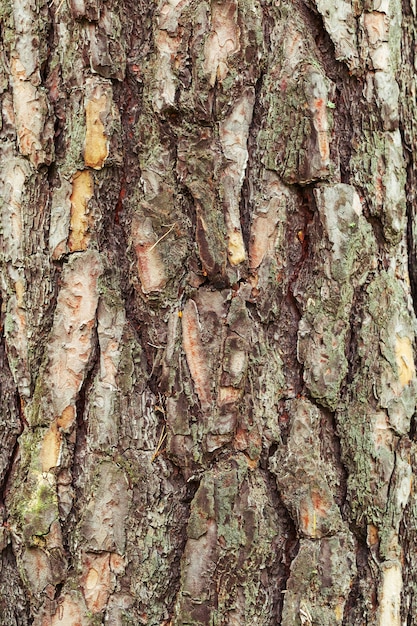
(229, 395)
(194, 351)
(372, 535)
(67, 417)
(96, 581)
(20, 291)
(96, 148)
(30, 105)
(405, 360)
(261, 238)
(240, 441)
(117, 563)
(151, 269)
(235, 247)
(313, 510)
(51, 447)
(69, 612)
(81, 221)
(321, 125)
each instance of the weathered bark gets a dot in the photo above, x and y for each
(208, 262)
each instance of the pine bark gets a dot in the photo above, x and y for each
(208, 283)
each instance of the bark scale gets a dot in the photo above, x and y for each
(208, 253)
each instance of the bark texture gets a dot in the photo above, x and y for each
(208, 280)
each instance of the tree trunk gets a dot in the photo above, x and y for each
(209, 266)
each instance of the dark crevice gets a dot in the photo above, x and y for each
(411, 246)
(287, 548)
(13, 418)
(80, 451)
(413, 428)
(52, 79)
(114, 238)
(290, 316)
(347, 388)
(408, 541)
(14, 600)
(161, 430)
(331, 452)
(307, 215)
(290, 552)
(246, 194)
(406, 78)
(362, 602)
(298, 255)
(81, 441)
(355, 324)
(378, 231)
(411, 199)
(58, 590)
(12, 461)
(272, 449)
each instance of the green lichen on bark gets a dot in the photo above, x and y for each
(36, 510)
(319, 569)
(289, 143)
(231, 524)
(327, 293)
(178, 370)
(378, 169)
(381, 399)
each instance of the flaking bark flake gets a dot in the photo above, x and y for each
(208, 329)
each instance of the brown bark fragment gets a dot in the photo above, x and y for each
(34, 124)
(405, 360)
(96, 581)
(208, 412)
(233, 133)
(223, 40)
(96, 148)
(81, 221)
(101, 527)
(151, 269)
(194, 351)
(70, 611)
(72, 333)
(51, 448)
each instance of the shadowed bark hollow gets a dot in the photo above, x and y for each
(208, 280)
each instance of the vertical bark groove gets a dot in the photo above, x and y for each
(208, 256)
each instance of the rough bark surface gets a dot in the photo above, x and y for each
(208, 281)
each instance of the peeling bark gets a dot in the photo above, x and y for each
(208, 288)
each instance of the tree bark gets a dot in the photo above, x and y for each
(208, 282)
